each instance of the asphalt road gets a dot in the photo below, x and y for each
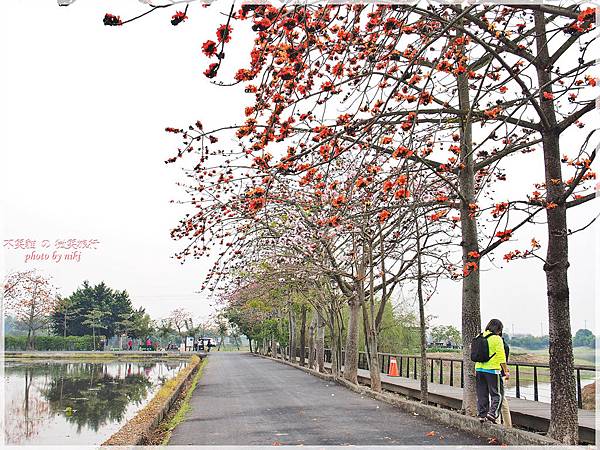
(247, 400)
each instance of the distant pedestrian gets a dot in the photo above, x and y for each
(148, 344)
(130, 344)
(487, 350)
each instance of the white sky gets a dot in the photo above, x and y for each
(82, 117)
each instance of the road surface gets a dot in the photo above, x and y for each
(243, 399)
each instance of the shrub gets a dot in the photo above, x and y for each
(57, 343)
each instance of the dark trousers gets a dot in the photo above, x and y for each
(489, 386)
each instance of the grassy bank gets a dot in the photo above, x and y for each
(178, 413)
(584, 356)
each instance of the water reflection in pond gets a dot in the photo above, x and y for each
(77, 402)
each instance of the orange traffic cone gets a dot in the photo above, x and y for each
(393, 372)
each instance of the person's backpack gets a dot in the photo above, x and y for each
(480, 350)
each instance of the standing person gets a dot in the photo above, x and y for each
(504, 409)
(488, 352)
(130, 344)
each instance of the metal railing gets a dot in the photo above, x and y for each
(450, 371)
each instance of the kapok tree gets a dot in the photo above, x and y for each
(296, 46)
(551, 67)
(31, 298)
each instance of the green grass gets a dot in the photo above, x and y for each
(185, 407)
(583, 356)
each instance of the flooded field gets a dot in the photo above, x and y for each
(62, 402)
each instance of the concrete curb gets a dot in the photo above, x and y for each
(138, 430)
(508, 436)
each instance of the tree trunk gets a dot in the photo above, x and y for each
(563, 401)
(335, 350)
(292, 331)
(422, 330)
(374, 359)
(423, 376)
(93, 338)
(371, 346)
(351, 349)
(311, 340)
(250, 344)
(273, 346)
(303, 336)
(320, 344)
(471, 316)
(32, 343)
(28, 346)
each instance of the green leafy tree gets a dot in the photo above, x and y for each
(163, 329)
(528, 341)
(86, 298)
(584, 338)
(66, 309)
(445, 333)
(142, 323)
(96, 320)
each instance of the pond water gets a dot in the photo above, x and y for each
(60, 402)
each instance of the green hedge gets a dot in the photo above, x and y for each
(52, 343)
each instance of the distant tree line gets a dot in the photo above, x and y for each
(527, 341)
(33, 309)
(582, 338)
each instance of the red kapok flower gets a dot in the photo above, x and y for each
(224, 33)
(469, 267)
(339, 201)
(361, 182)
(289, 23)
(548, 95)
(244, 75)
(504, 235)
(212, 70)
(111, 20)
(387, 185)
(209, 48)
(383, 215)
(177, 18)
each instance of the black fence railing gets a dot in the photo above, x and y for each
(529, 380)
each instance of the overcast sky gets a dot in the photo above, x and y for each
(83, 113)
